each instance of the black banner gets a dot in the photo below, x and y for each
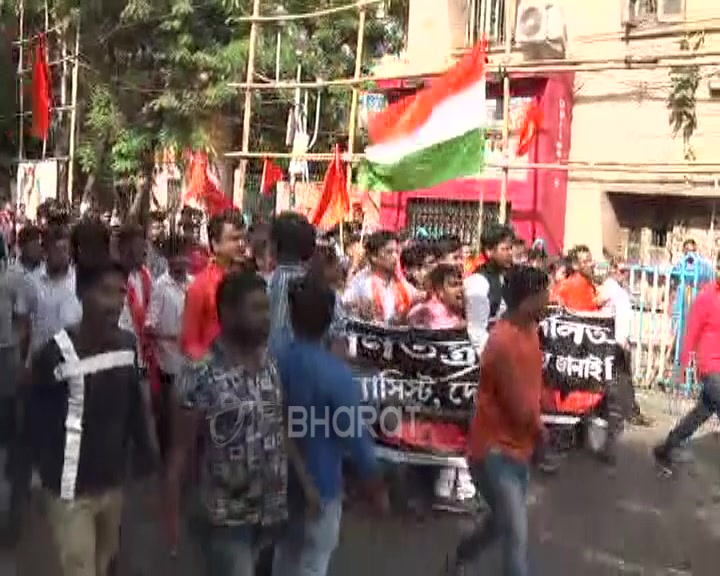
(439, 369)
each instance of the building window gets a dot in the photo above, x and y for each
(489, 20)
(657, 10)
(455, 217)
(659, 237)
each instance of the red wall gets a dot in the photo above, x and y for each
(537, 202)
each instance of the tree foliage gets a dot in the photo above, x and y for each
(155, 74)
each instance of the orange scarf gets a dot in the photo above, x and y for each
(402, 297)
(138, 313)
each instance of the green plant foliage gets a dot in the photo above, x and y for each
(155, 74)
(681, 101)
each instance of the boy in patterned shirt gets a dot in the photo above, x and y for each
(230, 405)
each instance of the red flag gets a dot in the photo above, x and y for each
(531, 125)
(204, 187)
(271, 175)
(334, 203)
(41, 91)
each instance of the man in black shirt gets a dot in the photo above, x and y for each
(86, 407)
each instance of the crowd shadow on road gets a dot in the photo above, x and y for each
(587, 519)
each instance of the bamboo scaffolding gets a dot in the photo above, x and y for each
(21, 85)
(352, 121)
(574, 166)
(502, 213)
(523, 69)
(247, 106)
(360, 5)
(73, 113)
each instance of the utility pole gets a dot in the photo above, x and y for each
(247, 107)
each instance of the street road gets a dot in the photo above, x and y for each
(586, 520)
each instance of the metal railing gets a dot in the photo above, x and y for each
(662, 297)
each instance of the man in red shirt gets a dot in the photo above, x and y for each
(200, 321)
(703, 340)
(577, 291)
(507, 425)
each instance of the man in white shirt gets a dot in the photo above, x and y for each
(380, 293)
(484, 300)
(614, 299)
(163, 326)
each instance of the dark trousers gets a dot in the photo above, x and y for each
(707, 405)
(162, 407)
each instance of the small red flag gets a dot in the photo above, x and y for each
(530, 127)
(271, 175)
(334, 203)
(204, 187)
(41, 91)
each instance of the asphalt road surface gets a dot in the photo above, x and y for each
(586, 520)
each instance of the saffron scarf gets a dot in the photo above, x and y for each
(138, 312)
(402, 296)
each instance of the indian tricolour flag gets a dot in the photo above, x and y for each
(436, 136)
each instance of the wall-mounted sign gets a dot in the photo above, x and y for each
(369, 103)
(37, 181)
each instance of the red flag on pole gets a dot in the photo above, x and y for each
(530, 127)
(271, 175)
(204, 187)
(334, 203)
(41, 91)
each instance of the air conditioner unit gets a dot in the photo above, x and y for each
(540, 22)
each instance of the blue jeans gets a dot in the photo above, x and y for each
(227, 550)
(503, 483)
(707, 404)
(308, 544)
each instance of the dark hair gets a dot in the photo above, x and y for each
(128, 233)
(235, 287)
(176, 245)
(448, 244)
(54, 234)
(494, 235)
(441, 273)
(88, 277)
(27, 234)
(312, 306)
(688, 242)
(157, 216)
(293, 237)
(217, 223)
(378, 240)
(523, 282)
(517, 241)
(573, 254)
(559, 263)
(537, 254)
(413, 256)
(91, 234)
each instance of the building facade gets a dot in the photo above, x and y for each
(598, 109)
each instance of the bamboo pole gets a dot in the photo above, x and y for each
(573, 166)
(247, 107)
(360, 4)
(47, 52)
(73, 113)
(21, 84)
(521, 69)
(502, 214)
(352, 121)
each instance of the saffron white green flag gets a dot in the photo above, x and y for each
(436, 136)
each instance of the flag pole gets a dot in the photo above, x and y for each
(73, 112)
(247, 106)
(506, 114)
(47, 58)
(352, 121)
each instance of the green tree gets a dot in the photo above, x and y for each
(155, 76)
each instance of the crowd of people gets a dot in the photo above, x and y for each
(128, 337)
